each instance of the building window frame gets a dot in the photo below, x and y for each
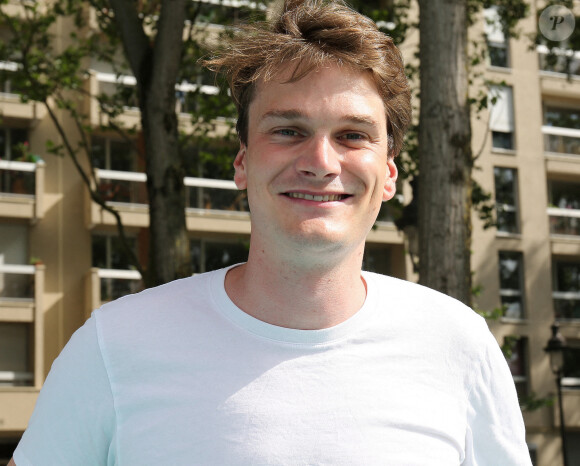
(507, 210)
(496, 39)
(501, 119)
(507, 289)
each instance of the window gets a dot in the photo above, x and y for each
(501, 118)
(506, 199)
(228, 13)
(15, 354)
(212, 255)
(377, 258)
(511, 284)
(11, 140)
(562, 117)
(517, 362)
(14, 251)
(571, 371)
(561, 125)
(7, 447)
(107, 253)
(564, 207)
(497, 45)
(566, 294)
(113, 154)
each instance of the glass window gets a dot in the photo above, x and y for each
(11, 140)
(511, 283)
(15, 354)
(501, 140)
(566, 294)
(377, 258)
(107, 252)
(562, 117)
(212, 255)
(111, 154)
(517, 362)
(497, 44)
(501, 118)
(564, 195)
(506, 199)
(498, 55)
(571, 370)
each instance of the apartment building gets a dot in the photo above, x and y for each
(60, 258)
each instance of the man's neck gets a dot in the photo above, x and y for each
(288, 295)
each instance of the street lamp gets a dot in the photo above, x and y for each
(555, 349)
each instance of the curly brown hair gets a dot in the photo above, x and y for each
(315, 33)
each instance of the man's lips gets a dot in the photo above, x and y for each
(322, 197)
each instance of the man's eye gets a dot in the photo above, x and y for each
(352, 136)
(286, 132)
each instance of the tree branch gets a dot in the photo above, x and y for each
(135, 41)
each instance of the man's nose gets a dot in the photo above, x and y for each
(319, 159)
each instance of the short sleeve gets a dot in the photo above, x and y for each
(73, 422)
(495, 432)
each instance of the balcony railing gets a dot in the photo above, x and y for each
(566, 305)
(16, 379)
(560, 61)
(21, 294)
(17, 178)
(110, 84)
(17, 282)
(23, 181)
(564, 221)
(108, 284)
(201, 193)
(561, 140)
(117, 283)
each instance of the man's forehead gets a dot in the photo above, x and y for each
(289, 73)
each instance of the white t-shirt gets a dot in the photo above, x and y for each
(178, 375)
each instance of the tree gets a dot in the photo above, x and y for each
(445, 156)
(161, 42)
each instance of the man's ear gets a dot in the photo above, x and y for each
(240, 175)
(390, 187)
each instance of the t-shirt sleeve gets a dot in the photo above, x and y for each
(495, 432)
(73, 422)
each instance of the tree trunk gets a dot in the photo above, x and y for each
(445, 158)
(155, 66)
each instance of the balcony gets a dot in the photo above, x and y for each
(565, 141)
(21, 291)
(21, 189)
(102, 83)
(561, 62)
(566, 305)
(104, 285)
(211, 205)
(12, 106)
(564, 221)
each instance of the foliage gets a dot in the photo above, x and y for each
(58, 77)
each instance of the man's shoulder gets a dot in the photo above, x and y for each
(427, 308)
(161, 301)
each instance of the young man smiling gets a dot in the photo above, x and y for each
(295, 357)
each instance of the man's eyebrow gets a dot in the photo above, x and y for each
(284, 114)
(299, 115)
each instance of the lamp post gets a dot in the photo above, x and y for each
(555, 349)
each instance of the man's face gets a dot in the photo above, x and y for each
(315, 164)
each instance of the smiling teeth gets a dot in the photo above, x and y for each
(310, 197)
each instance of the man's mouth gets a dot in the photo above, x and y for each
(318, 198)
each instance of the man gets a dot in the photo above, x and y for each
(295, 357)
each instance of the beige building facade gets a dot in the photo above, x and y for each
(59, 256)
